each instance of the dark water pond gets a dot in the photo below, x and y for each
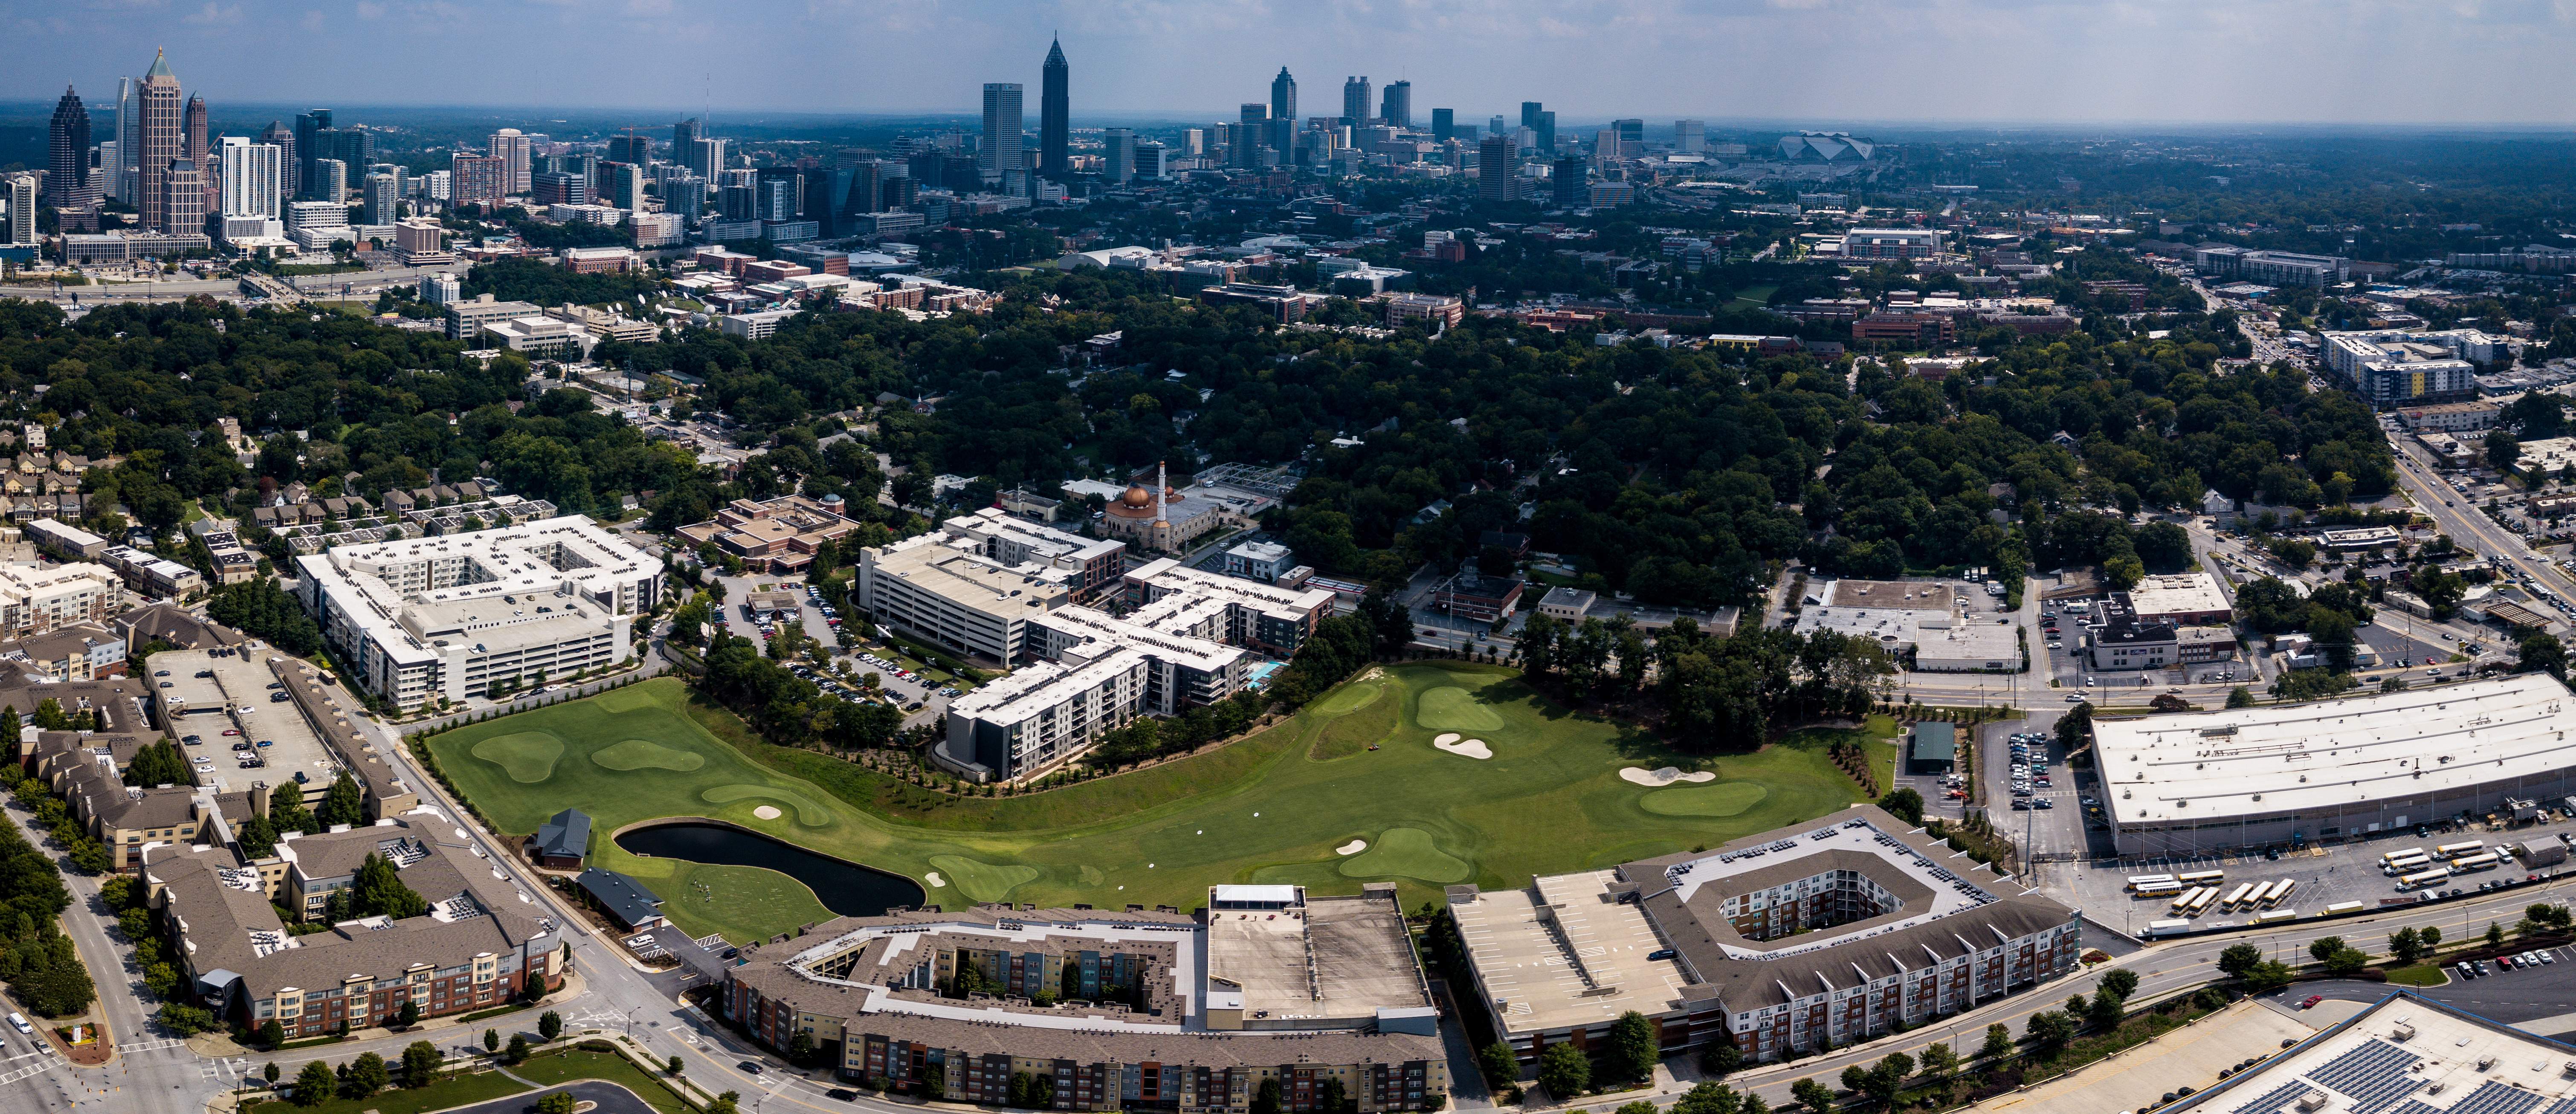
(846, 888)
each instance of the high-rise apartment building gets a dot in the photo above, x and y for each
(1568, 176)
(1150, 160)
(1498, 166)
(1397, 108)
(1543, 133)
(625, 185)
(1689, 138)
(1283, 96)
(630, 148)
(1055, 108)
(1255, 121)
(1355, 101)
(1632, 137)
(120, 182)
(253, 178)
(1001, 154)
(1118, 155)
(330, 181)
(381, 201)
(164, 141)
(21, 196)
(67, 181)
(683, 135)
(1444, 124)
(511, 147)
(183, 198)
(477, 179)
(290, 168)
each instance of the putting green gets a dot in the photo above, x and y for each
(1721, 798)
(981, 880)
(527, 756)
(1406, 853)
(1349, 698)
(642, 754)
(807, 812)
(1450, 708)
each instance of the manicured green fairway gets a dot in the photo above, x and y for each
(1271, 808)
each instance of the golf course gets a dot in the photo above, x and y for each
(1474, 778)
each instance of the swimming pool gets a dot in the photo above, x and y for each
(1261, 674)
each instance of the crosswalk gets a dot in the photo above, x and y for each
(225, 1071)
(43, 1062)
(147, 1046)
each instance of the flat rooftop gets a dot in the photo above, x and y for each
(2406, 1055)
(2202, 766)
(1566, 953)
(2177, 594)
(1882, 595)
(1334, 958)
(237, 697)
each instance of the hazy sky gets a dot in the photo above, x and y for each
(2179, 61)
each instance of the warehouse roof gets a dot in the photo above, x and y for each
(2203, 766)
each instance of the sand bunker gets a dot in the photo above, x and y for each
(1664, 776)
(934, 879)
(767, 812)
(1472, 748)
(1446, 738)
(1352, 848)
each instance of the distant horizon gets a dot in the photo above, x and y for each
(1958, 64)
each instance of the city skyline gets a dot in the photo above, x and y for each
(2183, 63)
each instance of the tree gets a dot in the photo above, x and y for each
(366, 1076)
(2268, 976)
(2541, 652)
(550, 1026)
(420, 1060)
(491, 1040)
(1499, 1064)
(1265, 1098)
(2430, 937)
(800, 1047)
(314, 1084)
(2120, 981)
(1905, 804)
(675, 1066)
(2050, 1030)
(2405, 945)
(378, 890)
(2495, 934)
(518, 1050)
(1940, 1061)
(1333, 1098)
(1719, 1059)
(553, 1102)
(1634, 1048)
(343, 803)
(1564, 1071)
(2106, 1011)
(2240, 697)
(2237, 959)
(2075, 728)
(2502, 450)
(409, 1015)
(2123, 572)
(270, 1035)
(184, 1020)
(1881, 1081)
(1816, 1097)
(268, 1071)
(158, 764)
(1999, 1042)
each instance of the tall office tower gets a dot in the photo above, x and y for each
(107, 167)
(684, 136)
(1498, 167)
(1194, 142)
(775, 198)
(330, 180)
(625, 186)
(1283, 96)
(381, 200)
(438, 186)
(119, 182)
(1001, 151)
(898, 191)
(183, 197)
(21, 196)
(193, 145)
(290, 169)
(1632, 137)
(308, 128)
(1569, 176)
(511, 147)
(1149, 160)
(686, 197)
(1543, 133)
(738, 202)
(477, 179)
(1444, 123)
(164, 141)
(1355, 101)
(1246, 148)
(630, 148)
(1529, 114)
(1605, 146)
(1055, 108)
(1118, 159)
(254, 178)
(1689, 138)
(1465, 134)
(557, 187)
(704, 157)
(67, 182)
(1397, 109)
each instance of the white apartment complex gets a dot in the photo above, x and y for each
(447, 616)
(35, 599)
(2392, 367)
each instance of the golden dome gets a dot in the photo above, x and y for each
(1137, 496)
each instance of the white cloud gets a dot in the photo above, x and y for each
(214, 14)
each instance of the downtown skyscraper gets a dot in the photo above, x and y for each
(1397, 108)
(1355, 101)
(1055, 112)
(68, 185)
(1283, 96)
(1001, 156)
(162, 135)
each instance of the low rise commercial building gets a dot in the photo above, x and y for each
(779, 535)
(2451, 417)
(465, 319)
(2188, 599)
(450, 615)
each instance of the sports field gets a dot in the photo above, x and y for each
(1278, 807)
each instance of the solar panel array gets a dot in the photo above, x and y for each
(2495, 1098)
(2278, 1097)
(2375, 1076)
(2562, 1106)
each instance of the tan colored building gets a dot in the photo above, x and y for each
(775, 536)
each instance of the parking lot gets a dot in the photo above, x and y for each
(877, 658)
(235, 722)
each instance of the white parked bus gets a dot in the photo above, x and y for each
(2138, 880)
(2401, 853)
(2200, 905)
(2485, 860)
(2166, 928)
(2237, 896)
(2276, 916)
(2455, 850)
(2201, 877)
(2342, 907)
(2159, 889)
(2406, 864)
(2421, 879)
(2182, 905)
(2280, 892)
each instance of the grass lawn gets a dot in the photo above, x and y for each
(453, 1091)
(1271, 808)
(607, 1067)
(2420, 975)
(1758, 295)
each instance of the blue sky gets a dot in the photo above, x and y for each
(1971, 61)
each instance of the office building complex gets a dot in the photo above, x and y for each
(1891, 243)
(1268, 988)
(448, 615)
(1397, 108)
(2271, 268)
(1444, 124)
(1497, 169)
(68, 185)
(1568, 176)
(1355, 101)
(1254, 120)
(1000, 155)
(1283, 96)
(778, 536)
(163, 138)
(1054, 115)
(1843, 928)
(1118, 156)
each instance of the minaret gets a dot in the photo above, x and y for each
(1162, 483)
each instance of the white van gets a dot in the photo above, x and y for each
(18, 1021)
